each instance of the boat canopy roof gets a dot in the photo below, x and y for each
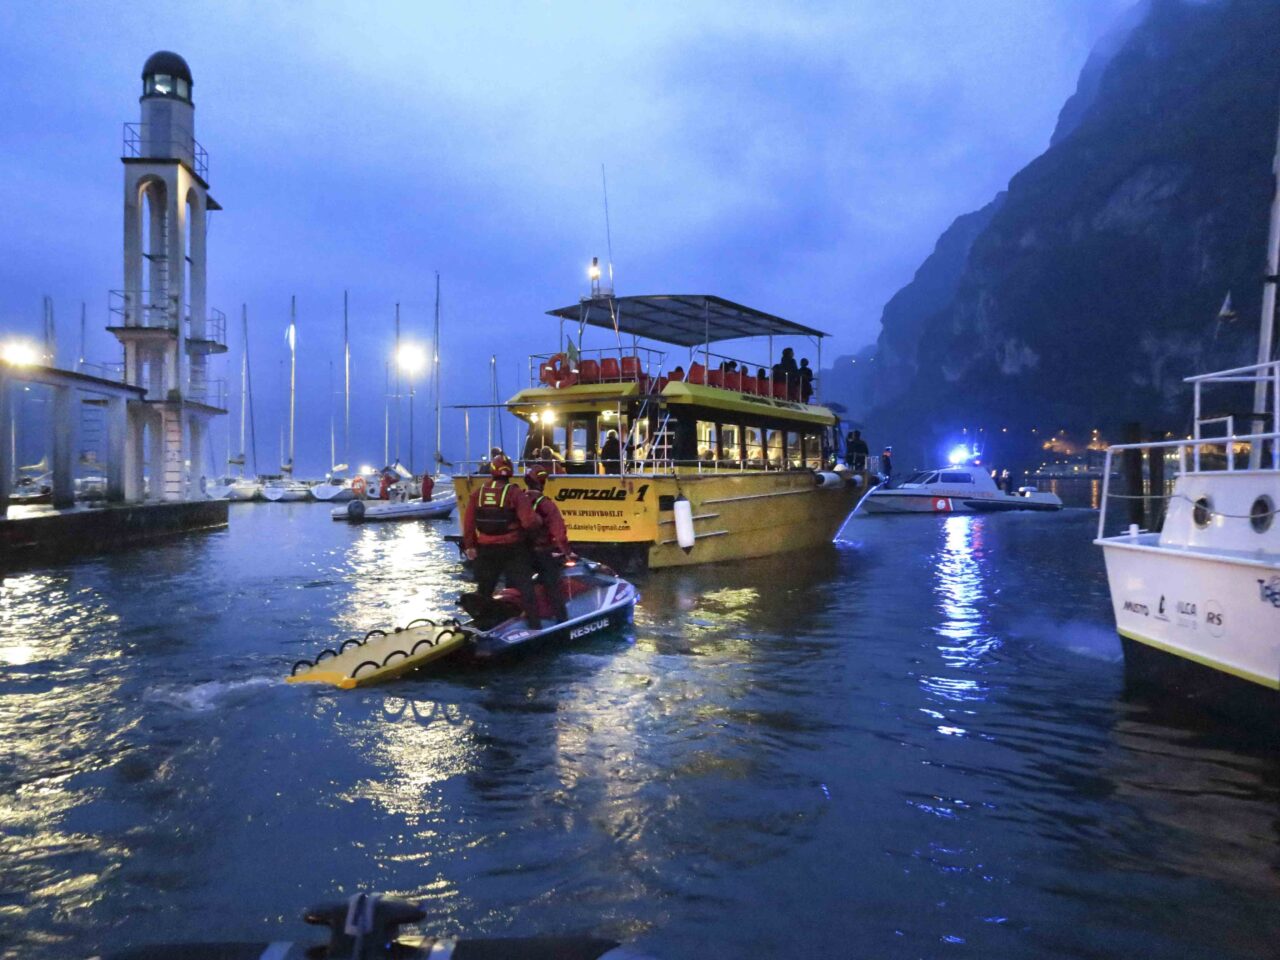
(684, 319)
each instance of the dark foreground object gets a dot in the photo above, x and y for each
(366, 927)
(87, 530)
(1176, 679)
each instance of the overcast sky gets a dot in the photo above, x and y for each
(800, 158)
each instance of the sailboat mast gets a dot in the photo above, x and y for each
(395, 359)
(1268, 319)
(244, 377)
(333, 452)
(293, 372)
(435, 373)
(248, 390)
(386, 414)
(346, 360)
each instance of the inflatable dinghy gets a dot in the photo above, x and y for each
(382, 655)
(367, 511)
(367, 927)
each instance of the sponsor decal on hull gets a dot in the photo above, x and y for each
(1133, 606)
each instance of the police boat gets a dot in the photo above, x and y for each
(367, 927)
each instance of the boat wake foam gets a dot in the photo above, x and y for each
(204, 697)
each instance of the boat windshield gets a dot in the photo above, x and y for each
(925, 476)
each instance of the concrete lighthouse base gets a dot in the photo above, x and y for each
(42, 533)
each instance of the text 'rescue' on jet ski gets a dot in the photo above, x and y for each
(595, 598)
(367, 927)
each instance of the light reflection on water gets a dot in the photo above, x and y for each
(914, 742)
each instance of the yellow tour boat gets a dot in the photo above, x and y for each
(670, 461)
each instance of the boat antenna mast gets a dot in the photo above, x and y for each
(1268, 320)
(608, 232)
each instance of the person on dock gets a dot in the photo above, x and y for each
(856, 449)
(549, 543)
(497, 521)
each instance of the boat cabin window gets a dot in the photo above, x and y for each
(956, 478)
(753, 441)
(813, 451)
(925, 476)
(579, 453)
(774, 450)
(708, 442)
(730, 451)
(795, 455)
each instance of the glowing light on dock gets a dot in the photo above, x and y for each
(20, 353)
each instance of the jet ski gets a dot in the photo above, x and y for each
(597, 599)
(382, 655)
(367, 927)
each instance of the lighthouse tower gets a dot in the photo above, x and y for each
(161, 316)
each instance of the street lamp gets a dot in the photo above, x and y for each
(20, 353)
(410, 359)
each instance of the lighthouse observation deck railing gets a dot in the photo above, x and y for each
(215, 327)
(140, 309)
(179, 144)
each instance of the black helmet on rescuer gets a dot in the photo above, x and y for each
(500, 466)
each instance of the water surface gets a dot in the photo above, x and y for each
(916, 743)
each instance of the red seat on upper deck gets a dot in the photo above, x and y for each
(698, 374)
(780, 389)
(609, 369)
(676, 375)
(588, 371)
(630, 368)
(733, 380)
(715, 378)
(748, 384)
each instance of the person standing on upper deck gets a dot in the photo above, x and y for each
(806, 380)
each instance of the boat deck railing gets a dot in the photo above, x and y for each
(1196, 455)
(651, 468)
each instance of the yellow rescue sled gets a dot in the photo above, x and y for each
(382, 655)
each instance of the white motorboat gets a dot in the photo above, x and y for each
(285, 490)
(362, 511)
(965, 488)
(1197, 603)
(234, 488)
(333, 489)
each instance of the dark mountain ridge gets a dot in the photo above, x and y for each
(1083, 295)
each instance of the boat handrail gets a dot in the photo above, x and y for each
(1192, 446)
(639, 468)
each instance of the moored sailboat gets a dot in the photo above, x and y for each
(285, 488)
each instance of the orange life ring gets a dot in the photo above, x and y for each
(554, 370)
(359, 486)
